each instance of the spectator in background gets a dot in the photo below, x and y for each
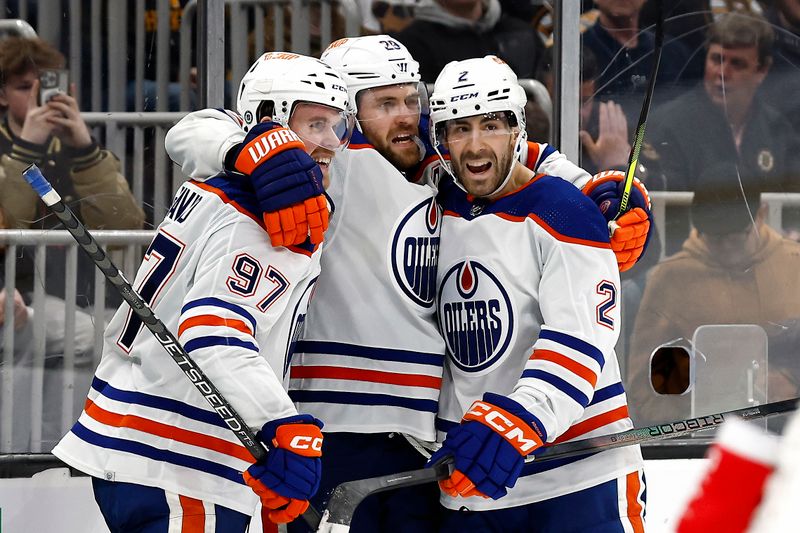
(605, 142)
(451, 30)
(624, 55)
(782, 84)
(55, 137)
(723, 120)
(733, 269)
(688, 21)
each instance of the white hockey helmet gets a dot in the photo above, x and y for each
(476, 87)
(285, 79)
(371, 61)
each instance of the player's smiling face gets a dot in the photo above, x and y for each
(321, 128)
(481, 151)
(389, 119)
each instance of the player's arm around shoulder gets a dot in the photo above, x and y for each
(199, 142)
(544, 158)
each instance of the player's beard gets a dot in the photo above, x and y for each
(500, 166)
(403, 157)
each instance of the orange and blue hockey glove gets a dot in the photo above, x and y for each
(287, 183)
(290, 473)
(630, 233)
(489, 447)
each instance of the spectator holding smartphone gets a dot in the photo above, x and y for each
(54, 136)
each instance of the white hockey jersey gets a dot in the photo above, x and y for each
(528, 303)
(371, 356)
(236, 304)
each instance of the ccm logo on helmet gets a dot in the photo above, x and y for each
(465, 96)
(522, 440)
(302, 442)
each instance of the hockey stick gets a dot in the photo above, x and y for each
(638, 139)
(347, 496)
(168, 341)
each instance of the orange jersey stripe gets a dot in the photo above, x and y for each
(590, 424)
(213, 320)
(533, 155)
(565, 362)
(634, 507)
(194, 515)
(168, 432)
(353, 374)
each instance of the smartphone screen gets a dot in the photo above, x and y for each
(51, 83)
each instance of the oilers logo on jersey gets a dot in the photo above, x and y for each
(475, 316)
(414, 253)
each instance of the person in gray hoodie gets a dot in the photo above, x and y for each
(453, 30)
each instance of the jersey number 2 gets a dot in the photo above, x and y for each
(604, 308)
(160, 258)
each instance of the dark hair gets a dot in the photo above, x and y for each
(19, 55)
(720, 206)
(739, 30)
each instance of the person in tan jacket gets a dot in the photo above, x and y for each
(54, 136)
(733, 269)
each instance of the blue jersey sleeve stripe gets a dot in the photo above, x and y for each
(156, 454)
(158, 402)
(575, 343)
(363, 398)
(558, 383)
(205, 342)
(601, 395)
(369, 352)
(216, 302)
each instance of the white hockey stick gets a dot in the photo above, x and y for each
(347, 496)
(170, 343)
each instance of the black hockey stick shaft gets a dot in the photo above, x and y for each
(347, 496)
(638, 139)
(164, 336)
(666, 430)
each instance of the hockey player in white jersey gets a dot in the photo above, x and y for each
(528, 291)
(161, 459)
(370, 361)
